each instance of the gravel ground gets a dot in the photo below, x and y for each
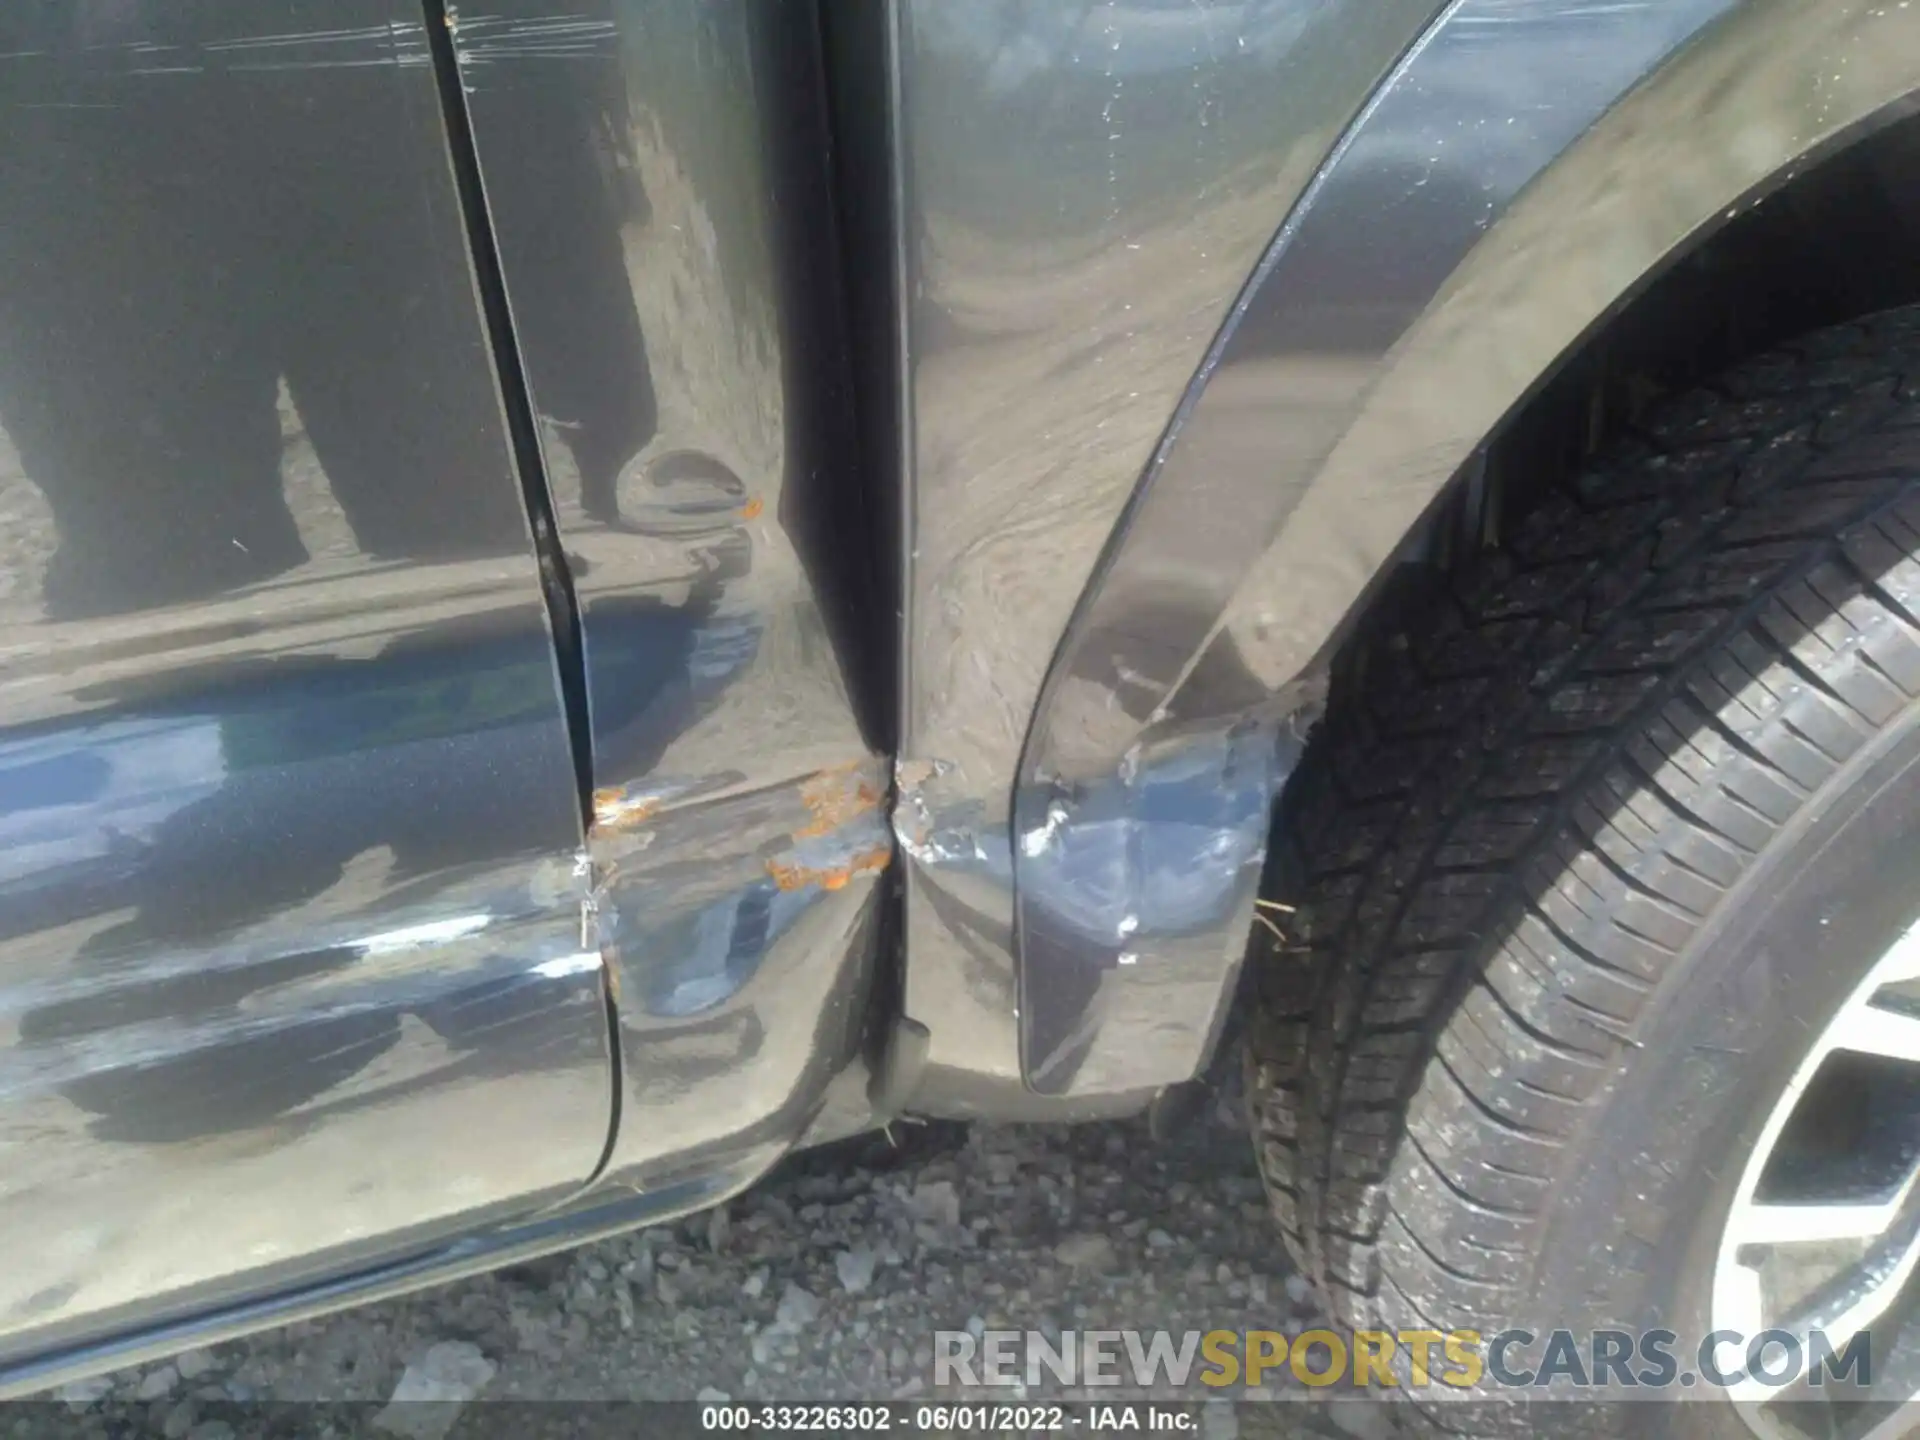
(825, 1282)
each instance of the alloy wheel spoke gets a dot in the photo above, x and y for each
(1771, 1250)
(1759, 1224)
(1871, 1030)
(1876, 1297)
(1875, 1289)
(1902, 962)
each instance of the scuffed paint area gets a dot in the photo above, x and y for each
(735, 923)
(1087, 189)
(655, 177)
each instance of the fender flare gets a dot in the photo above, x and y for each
(1526, 167)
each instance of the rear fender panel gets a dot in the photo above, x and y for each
(1526, 166)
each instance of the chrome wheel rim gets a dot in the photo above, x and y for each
(1824, 1230)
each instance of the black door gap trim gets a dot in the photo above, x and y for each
(556, 575)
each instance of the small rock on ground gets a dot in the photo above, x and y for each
(827, 1281)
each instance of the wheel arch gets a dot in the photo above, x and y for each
(1591, 245)
(1410, 307)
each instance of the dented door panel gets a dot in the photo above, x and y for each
(657, 181)
(291, 972)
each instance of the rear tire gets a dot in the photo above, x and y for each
(1586, 848)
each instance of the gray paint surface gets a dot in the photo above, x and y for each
(287, 818)
(656, 175)
(295, 883)
(1086, 189)
(1143, 688)
(1527, 164)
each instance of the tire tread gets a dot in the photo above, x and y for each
(1527, 799)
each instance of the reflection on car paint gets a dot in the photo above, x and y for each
(288, 833)
(1086, 190)
(291, 876)
(656, 178)
(740, 926)
(1152, 874)
(1155, 651)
